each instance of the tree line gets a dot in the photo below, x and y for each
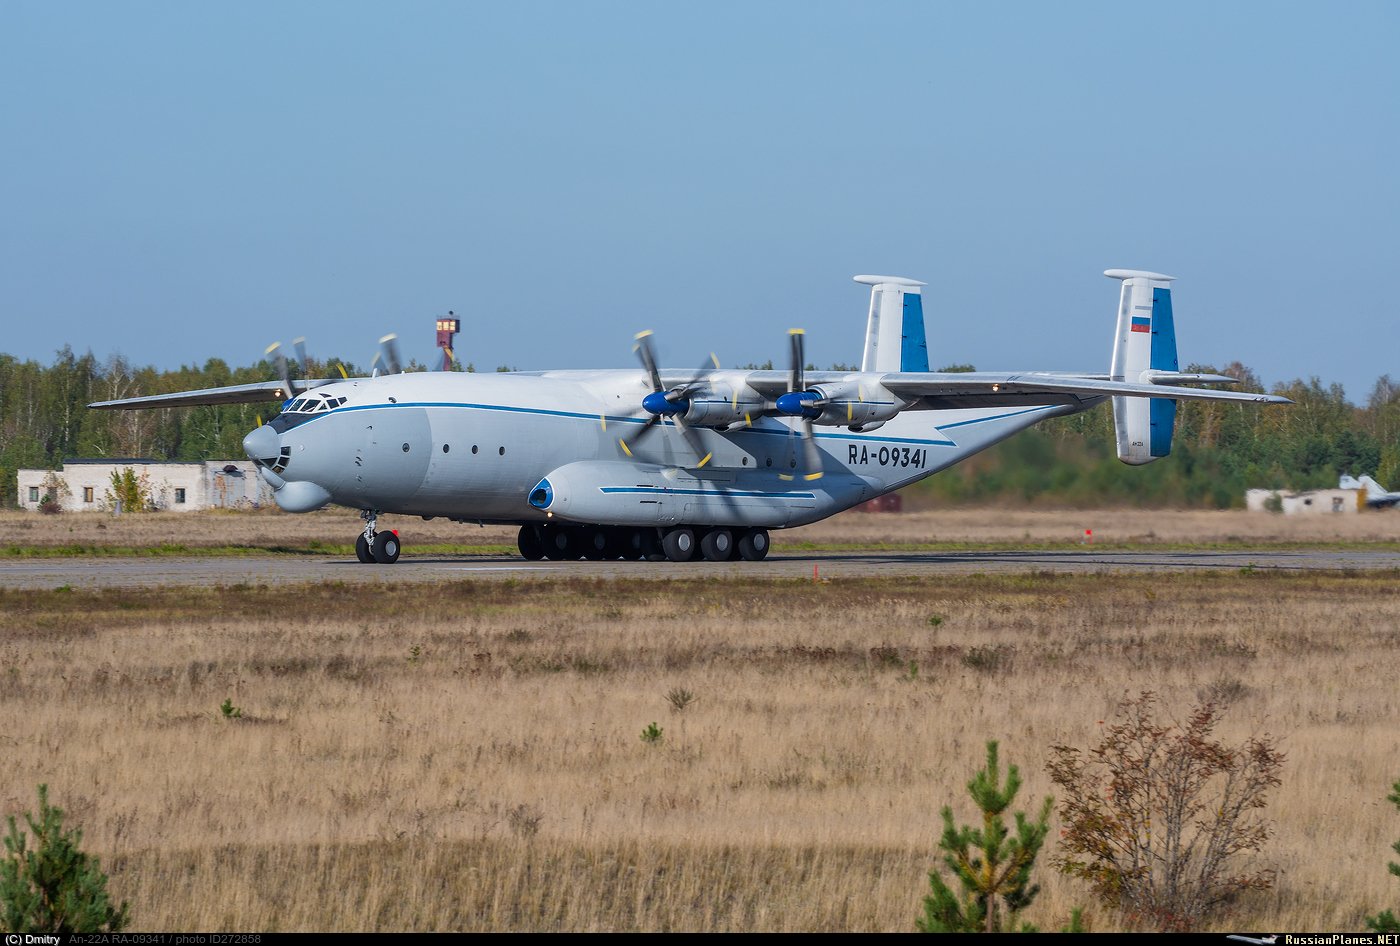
(1220, 449)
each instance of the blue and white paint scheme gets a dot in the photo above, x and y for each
(659, 462)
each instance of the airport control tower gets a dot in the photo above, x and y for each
(447, 330)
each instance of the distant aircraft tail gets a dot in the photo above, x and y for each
(1145, 343)
(1374, 491)
(894, 333)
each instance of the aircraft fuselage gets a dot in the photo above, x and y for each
(475, 447)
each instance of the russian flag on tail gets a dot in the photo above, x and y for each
(1141, 324)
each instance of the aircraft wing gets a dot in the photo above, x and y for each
(1025, 386)
(233, 394)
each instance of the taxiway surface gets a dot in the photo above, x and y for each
(293, 569)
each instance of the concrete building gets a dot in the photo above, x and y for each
(1307, 502)
(86, 485)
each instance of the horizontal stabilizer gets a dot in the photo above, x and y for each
(910, 384)
(1177, 377)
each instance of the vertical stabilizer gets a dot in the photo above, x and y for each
(1145, 342)
(894, 333)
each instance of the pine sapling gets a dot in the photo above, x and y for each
(53, 887)
(1386, 921)
(991, 865)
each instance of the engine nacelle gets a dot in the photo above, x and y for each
(718, 407)
(852, 404)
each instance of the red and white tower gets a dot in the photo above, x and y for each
(447, 330)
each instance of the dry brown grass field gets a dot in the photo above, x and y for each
(468, 755)
(272, 530)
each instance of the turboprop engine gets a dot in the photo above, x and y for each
(850, 404)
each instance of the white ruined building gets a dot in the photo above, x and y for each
(1306, 502)
(86, 485)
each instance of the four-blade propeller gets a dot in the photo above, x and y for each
(662, 404)
(803, 404)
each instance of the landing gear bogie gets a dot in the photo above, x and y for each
(375, 547)
(385, 548)
(559, 542)
(717, 545)
(529, 544)
(753, 545)
(679, 544)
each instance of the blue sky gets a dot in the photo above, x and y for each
(186, 180)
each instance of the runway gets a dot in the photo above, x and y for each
(296, 569)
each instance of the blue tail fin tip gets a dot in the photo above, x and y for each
(913, 354)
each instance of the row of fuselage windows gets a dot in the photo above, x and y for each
(447, 448)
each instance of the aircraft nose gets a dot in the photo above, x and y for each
(262, 444)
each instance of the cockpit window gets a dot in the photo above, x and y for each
(313, 404)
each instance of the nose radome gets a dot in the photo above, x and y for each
(262, 444)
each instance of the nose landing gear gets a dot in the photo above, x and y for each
(373, 546)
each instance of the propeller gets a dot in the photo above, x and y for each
(389, 344)
(662, 404)
(800, 403)
(300, 345)
(275, 350)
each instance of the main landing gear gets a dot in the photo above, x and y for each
(679, 544)
(373, 546)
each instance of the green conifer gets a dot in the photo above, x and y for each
(992, 864)
(1386, 921)
(53, 887)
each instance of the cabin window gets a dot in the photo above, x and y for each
(502, 451)
(445, 448)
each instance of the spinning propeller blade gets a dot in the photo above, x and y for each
(275, 350)
(389, 344)
(300, 345)
(811, 456)
(647, 354)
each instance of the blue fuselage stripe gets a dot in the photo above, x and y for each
(720, 493)
(780, 431)
(983, 420)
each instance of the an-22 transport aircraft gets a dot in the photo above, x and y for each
(651, 463)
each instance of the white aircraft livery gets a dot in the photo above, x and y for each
(1377, 496)
(662, 463)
